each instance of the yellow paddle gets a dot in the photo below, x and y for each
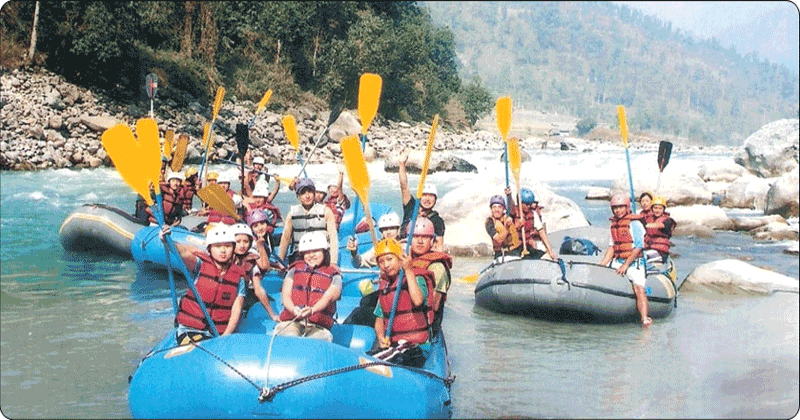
(216, 197)
(623, 129)
(369, 95)
(503, 110)
(359, 178)
(290, 129)
(169, 135)
(126, 154)
(515, 161)
(260, 106)
(180, 152)
(207, 133)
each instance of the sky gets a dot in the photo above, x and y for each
(770, 28)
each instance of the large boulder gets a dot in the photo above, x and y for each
(731, 276)
(748, 192)
(438, 163)
(346, 125)
(677, 188)
(466, 208)
(721, 171)
(772, 150)
(783, 197)
(100, 123)
(750, 223)
(711, 217)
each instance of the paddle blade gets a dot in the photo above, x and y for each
(168, 144)
(472, 278)
(369, 95)
(356, 166)
(427, 161)
(242, 139)
(623, 125)
(514, 158)
(503, 109)
(264, 101)
(218, 102)
(664, 152)
(206, 129)
(290, 129)
(125, 152)
(217, 198)
(147, 132)
(180, 152)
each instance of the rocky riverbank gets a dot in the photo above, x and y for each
(50, 123)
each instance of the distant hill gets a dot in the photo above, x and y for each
(585, 58)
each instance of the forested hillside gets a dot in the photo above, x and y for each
(585, 58)
(306, 52)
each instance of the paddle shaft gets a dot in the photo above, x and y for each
(630, 179)
(160, 217)
(401, 275)
(316, 144)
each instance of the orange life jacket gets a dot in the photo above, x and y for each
(621, 235)
(656, 238)
(411, 323)
(308, 286)
(217, 292)
(512, 240)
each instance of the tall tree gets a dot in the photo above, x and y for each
(32, 49)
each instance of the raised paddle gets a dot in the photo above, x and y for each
(242, 144)
(207, 142)
(151, 87)
(166, 150)
(664, 152)
(503, 110)
(334, 114)
(180, 152)
(623, 129)
(413, 221)
(369, 96)
(358, 176)
(515, 160)
(261, 105)
(216, 197)
(290, 129)
(134, 162)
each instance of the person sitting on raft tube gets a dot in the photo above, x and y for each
(426, 203)
(438, 263)
(310, 291)
(220, 283)
(624, 252)
(534, 227)
(172, 202)
(245, 257)
(502, 228)
(658, 231)
(411, 323)
(308, 216)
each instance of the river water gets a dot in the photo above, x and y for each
(74, 325)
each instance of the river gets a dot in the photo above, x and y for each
(74, 325)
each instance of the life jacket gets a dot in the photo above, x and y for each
(187, 193)
(621, 235)
(512, 240)
(531, 233)
(247, 264)
(307, 220)
(273, 214)
(218, 294)
(423, 262)
(410, 323)
(309, 284)
(171, 203)
(656, 238)
(338, 207)
(215, 216)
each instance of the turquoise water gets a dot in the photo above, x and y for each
(74, 325)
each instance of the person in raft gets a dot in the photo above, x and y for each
(658, 231)
(171, 200)
(220, 283)
(534, 227)
(645, 202)
(247, 258)
(251, 177)
(624, 252)
(426, 203)
(502, 228)
(337, 201)
(410, 335)
(388, 226)
(308, 216)
(310, 291)
(191, 184)
(439, 265)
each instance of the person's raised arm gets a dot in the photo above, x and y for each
(333, 235)
(401, 171)
(186, 252)
(274, 192)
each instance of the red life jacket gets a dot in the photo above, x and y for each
(171, 203)
(656, 238)
(187, 193)
(307, 289)
(247, 264)
(215, 216)
(621, 235)
(410, 323)
(338, 208)
(423, 262)
(273, 214)
(531, 233)
(218, 294)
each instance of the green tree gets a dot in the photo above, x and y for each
(476, 100)
(586, 125)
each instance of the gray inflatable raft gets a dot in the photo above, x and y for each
(582, 290)
(99, 227)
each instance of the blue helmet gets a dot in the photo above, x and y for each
(527, 196)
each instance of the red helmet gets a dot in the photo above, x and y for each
(423, 227)
(620, 200)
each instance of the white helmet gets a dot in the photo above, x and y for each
(429, 188)
(241, 229)
(313, 240)
(389, 220)
(258, 159)
(220, 234)
(173, 175)
(237, 200)
(261, 189)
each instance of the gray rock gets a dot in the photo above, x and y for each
(711, 217)
(783, 196)
(450, 163)
(748, 191)
(55, 122)
(346, 125)
(734, 276)
(750, 223)
(725, 171)
(100, 123)
(598, 193)
(772, 150)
